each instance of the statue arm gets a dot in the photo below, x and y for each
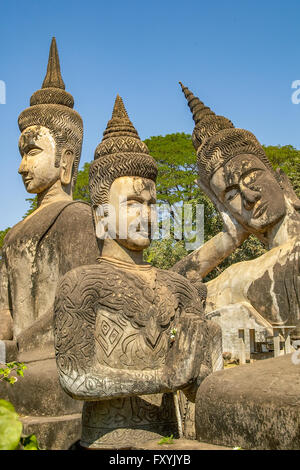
(5, 308)
(83, 376)
(202, 261)
(100, 382)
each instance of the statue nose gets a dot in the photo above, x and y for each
(23, 167)
(250, 198)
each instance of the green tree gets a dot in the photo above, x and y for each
(81, 190)
(33, 201)
(288, 159)
(2, 235)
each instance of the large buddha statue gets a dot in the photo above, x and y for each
(44, 246)
(47, 243)
(127, 335)
(252, 199)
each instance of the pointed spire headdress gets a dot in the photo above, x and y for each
(216, 140)
(121, 153)
(52, 107)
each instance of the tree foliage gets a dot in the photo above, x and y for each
(81, 190)
(2, 235)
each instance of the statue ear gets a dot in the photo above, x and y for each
(101, 222)
(66, 166)
(288, 188)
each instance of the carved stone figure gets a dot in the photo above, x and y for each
(45, 245)
(252, 199)
(127, 334)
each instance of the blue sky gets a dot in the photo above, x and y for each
(239, 57)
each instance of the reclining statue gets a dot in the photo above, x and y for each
(127, 335)
(252, 199)
(43, 247)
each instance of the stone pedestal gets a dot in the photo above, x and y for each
(255, 406)
(122, 422)
(44, 408)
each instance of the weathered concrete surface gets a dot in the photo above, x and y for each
(39, 393)
(269, 284)
(179, 444)
(233, 317)
(55, 432)
(45, 409)
(255, 406)
(8, 351)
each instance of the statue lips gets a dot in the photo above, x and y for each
(27, 181)
(260, 210)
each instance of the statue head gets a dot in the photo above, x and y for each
(51, 134)
(233, 164)
(122, 183)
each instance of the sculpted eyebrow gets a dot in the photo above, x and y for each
(248, 172)
(30, 146)
(134, 197)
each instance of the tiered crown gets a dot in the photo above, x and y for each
(216, 140)
(52, 107)
(120, 153)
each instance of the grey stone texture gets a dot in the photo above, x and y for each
(254, 406)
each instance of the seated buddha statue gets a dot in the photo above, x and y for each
(128, 335)
(46, 244)
(252, 198)
(38, 251)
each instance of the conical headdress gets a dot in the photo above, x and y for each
(216, 140)
(121, 153)
(52, 107)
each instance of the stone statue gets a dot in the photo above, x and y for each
(252, 199)
(46, 244)
(127, 334)
(56, 237)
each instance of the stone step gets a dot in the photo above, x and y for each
(178, 444)
(53, 432)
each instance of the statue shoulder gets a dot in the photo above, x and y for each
(77, 293)
(191, 295)
(175, 278)
(74, 279)
(76, 214)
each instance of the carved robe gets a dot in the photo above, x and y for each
(36, 253)
(113, 320)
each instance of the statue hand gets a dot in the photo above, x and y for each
(183, 360)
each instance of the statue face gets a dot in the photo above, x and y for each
(130, 209)
(37, 148)
(250, 192)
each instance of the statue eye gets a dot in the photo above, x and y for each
(33, 151)
(231, 193)
(251, 177)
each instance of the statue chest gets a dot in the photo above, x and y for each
(133, 326)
